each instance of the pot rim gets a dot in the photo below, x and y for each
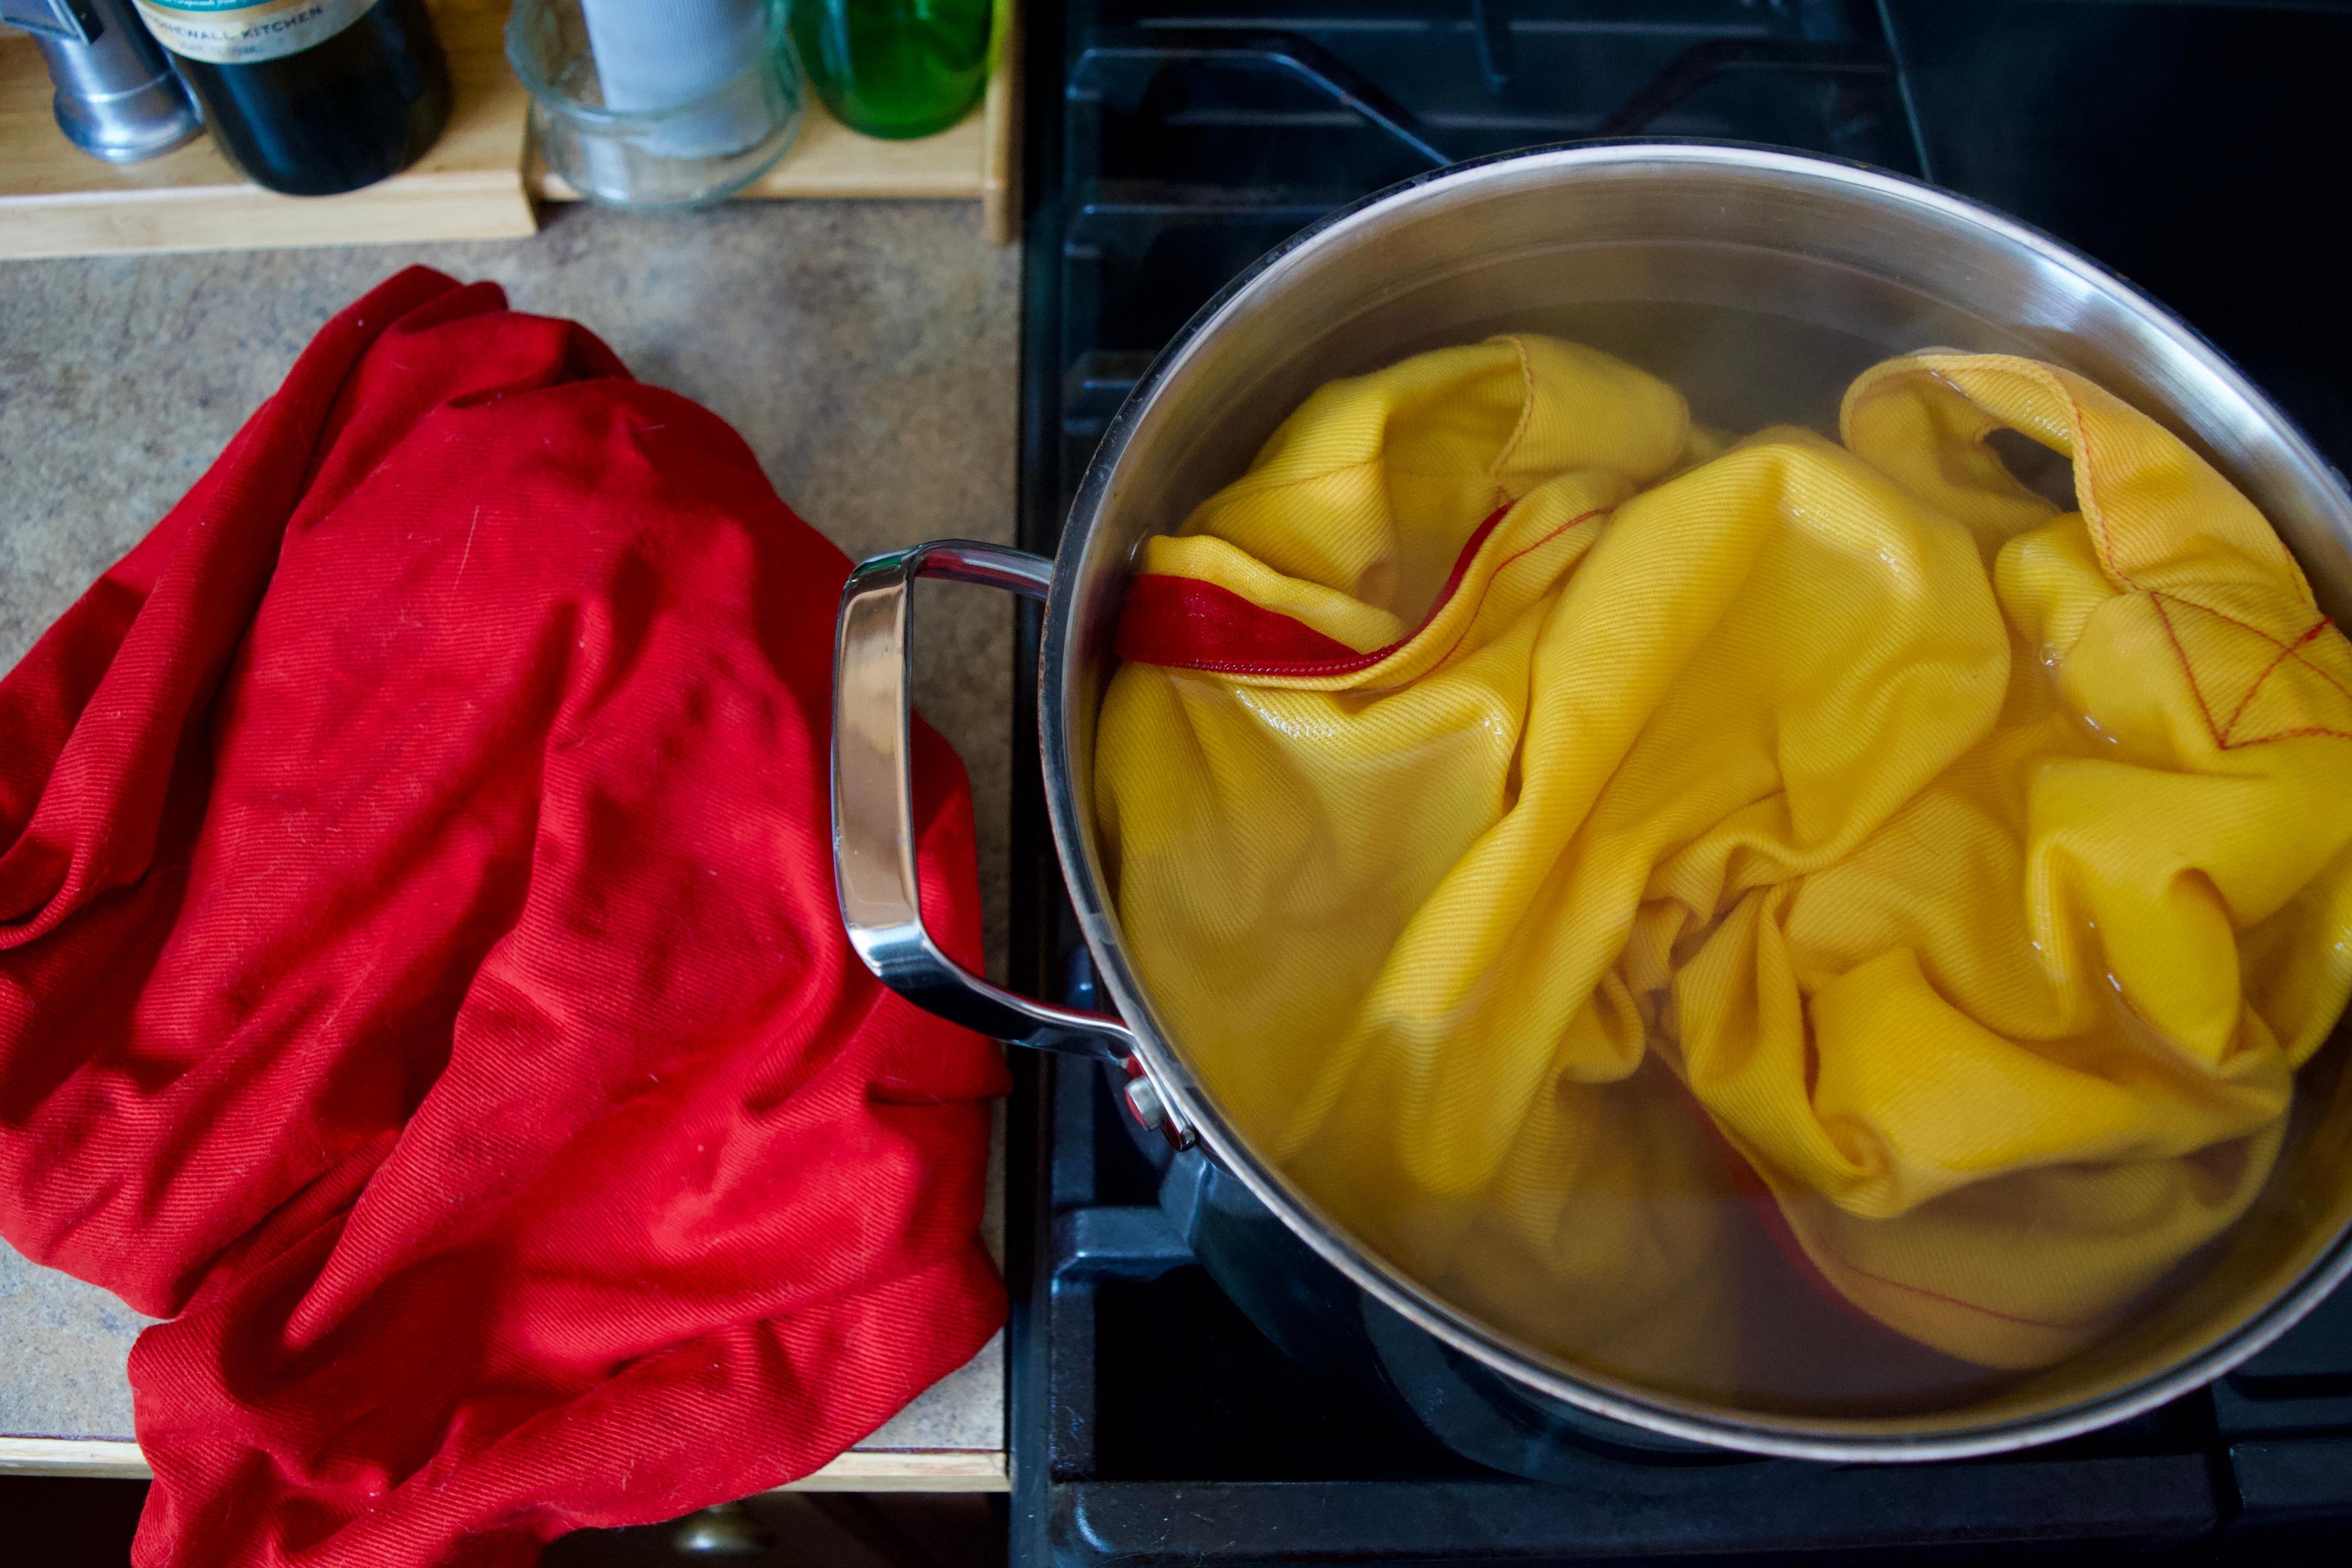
(1837, 1439)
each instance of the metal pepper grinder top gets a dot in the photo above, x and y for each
(116, 98)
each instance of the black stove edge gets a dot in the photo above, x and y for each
(1034, 877)
(1414, 1521)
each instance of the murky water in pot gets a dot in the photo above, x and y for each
(1484, 949)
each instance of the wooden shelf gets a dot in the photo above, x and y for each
(480, 180)
(56, 200)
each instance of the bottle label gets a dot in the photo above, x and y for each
(239, 32)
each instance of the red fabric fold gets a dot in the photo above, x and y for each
(1190, 623)
(420, 975)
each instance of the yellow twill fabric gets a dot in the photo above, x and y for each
(1841, 817)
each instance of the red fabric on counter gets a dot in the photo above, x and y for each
(420, 971)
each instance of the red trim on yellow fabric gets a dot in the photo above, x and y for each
(1192, 623)
(1187, 622)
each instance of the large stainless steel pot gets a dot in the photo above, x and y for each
(1576, 237)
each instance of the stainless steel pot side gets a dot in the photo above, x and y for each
(1447, 258)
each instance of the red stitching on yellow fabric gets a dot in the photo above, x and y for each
(1956, 1301)
(2093, 507)
(2248, 699)
(1500, 567)
(2222, 736)
(2317, 627)
(2313, 630)
(2298, 732)
(2188, 670)
(2271, 637)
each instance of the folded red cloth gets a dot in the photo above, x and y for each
(420, 971)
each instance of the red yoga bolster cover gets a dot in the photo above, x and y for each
(421, 978)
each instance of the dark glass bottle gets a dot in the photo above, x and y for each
(342, 107)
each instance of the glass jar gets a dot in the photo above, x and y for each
(642, 106)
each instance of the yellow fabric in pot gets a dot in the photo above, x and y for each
(1527, 812)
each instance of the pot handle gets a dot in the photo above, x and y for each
(874, 811)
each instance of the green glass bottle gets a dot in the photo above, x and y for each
(895, 68)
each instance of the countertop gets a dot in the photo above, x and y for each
(866, 351)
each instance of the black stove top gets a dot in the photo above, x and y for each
(2194, 148)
